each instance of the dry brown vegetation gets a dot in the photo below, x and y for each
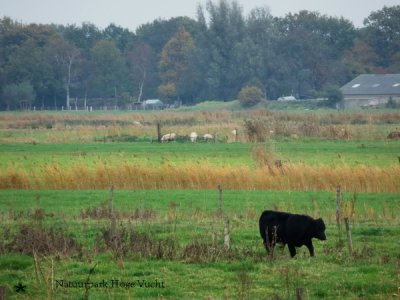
(253, 125)
(12, 120)
(196, 176)
(34, 238)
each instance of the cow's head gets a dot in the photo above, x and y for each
(319, 229)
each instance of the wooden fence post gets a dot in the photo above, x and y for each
(349, 239)
(220, 208)
(158, 132)
(338, 211)
(111, 199)
(3, 292)
(299, 293)
(227, 239)
(112, 216)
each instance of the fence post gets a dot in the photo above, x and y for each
(158, 132)
(3, 292)
(227, 239)
(112, 215)
(349, 239)
(299, 293)
(338, 211)
(220, 208)
(111, 199)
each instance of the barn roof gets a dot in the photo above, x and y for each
(373, 84)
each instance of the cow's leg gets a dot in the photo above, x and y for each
(269, 244)
(266, 245)
(268, 241)
(292, 250)
(310, 248)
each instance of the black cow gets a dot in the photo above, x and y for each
(294, 230)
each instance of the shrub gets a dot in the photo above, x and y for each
(256, 130)
(250, 95)
(124, 240)
(35, 238)
(334, 96)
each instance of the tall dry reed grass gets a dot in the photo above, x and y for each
(253, 125)
(202, 176)
(197, 117)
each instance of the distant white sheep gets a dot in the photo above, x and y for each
(193, 137)
(208, 136)
(168, 137)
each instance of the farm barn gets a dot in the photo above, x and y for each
(370, 90)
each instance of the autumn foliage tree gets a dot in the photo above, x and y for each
(174, 62)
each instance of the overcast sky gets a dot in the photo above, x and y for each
(132, 13)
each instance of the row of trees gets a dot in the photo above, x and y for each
(187, 60)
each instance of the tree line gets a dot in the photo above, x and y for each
(189, 60)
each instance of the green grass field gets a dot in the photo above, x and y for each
(310, 152)
(196, 264)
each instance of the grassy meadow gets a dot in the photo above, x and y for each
(180, 241)
(92, 207)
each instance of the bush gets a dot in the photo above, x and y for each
(36, 239)
(256, 130)
(334, 96)
(250, 95)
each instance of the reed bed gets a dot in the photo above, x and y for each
(85, 126)
(324, 117)
(299, 177)
(263, 130)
